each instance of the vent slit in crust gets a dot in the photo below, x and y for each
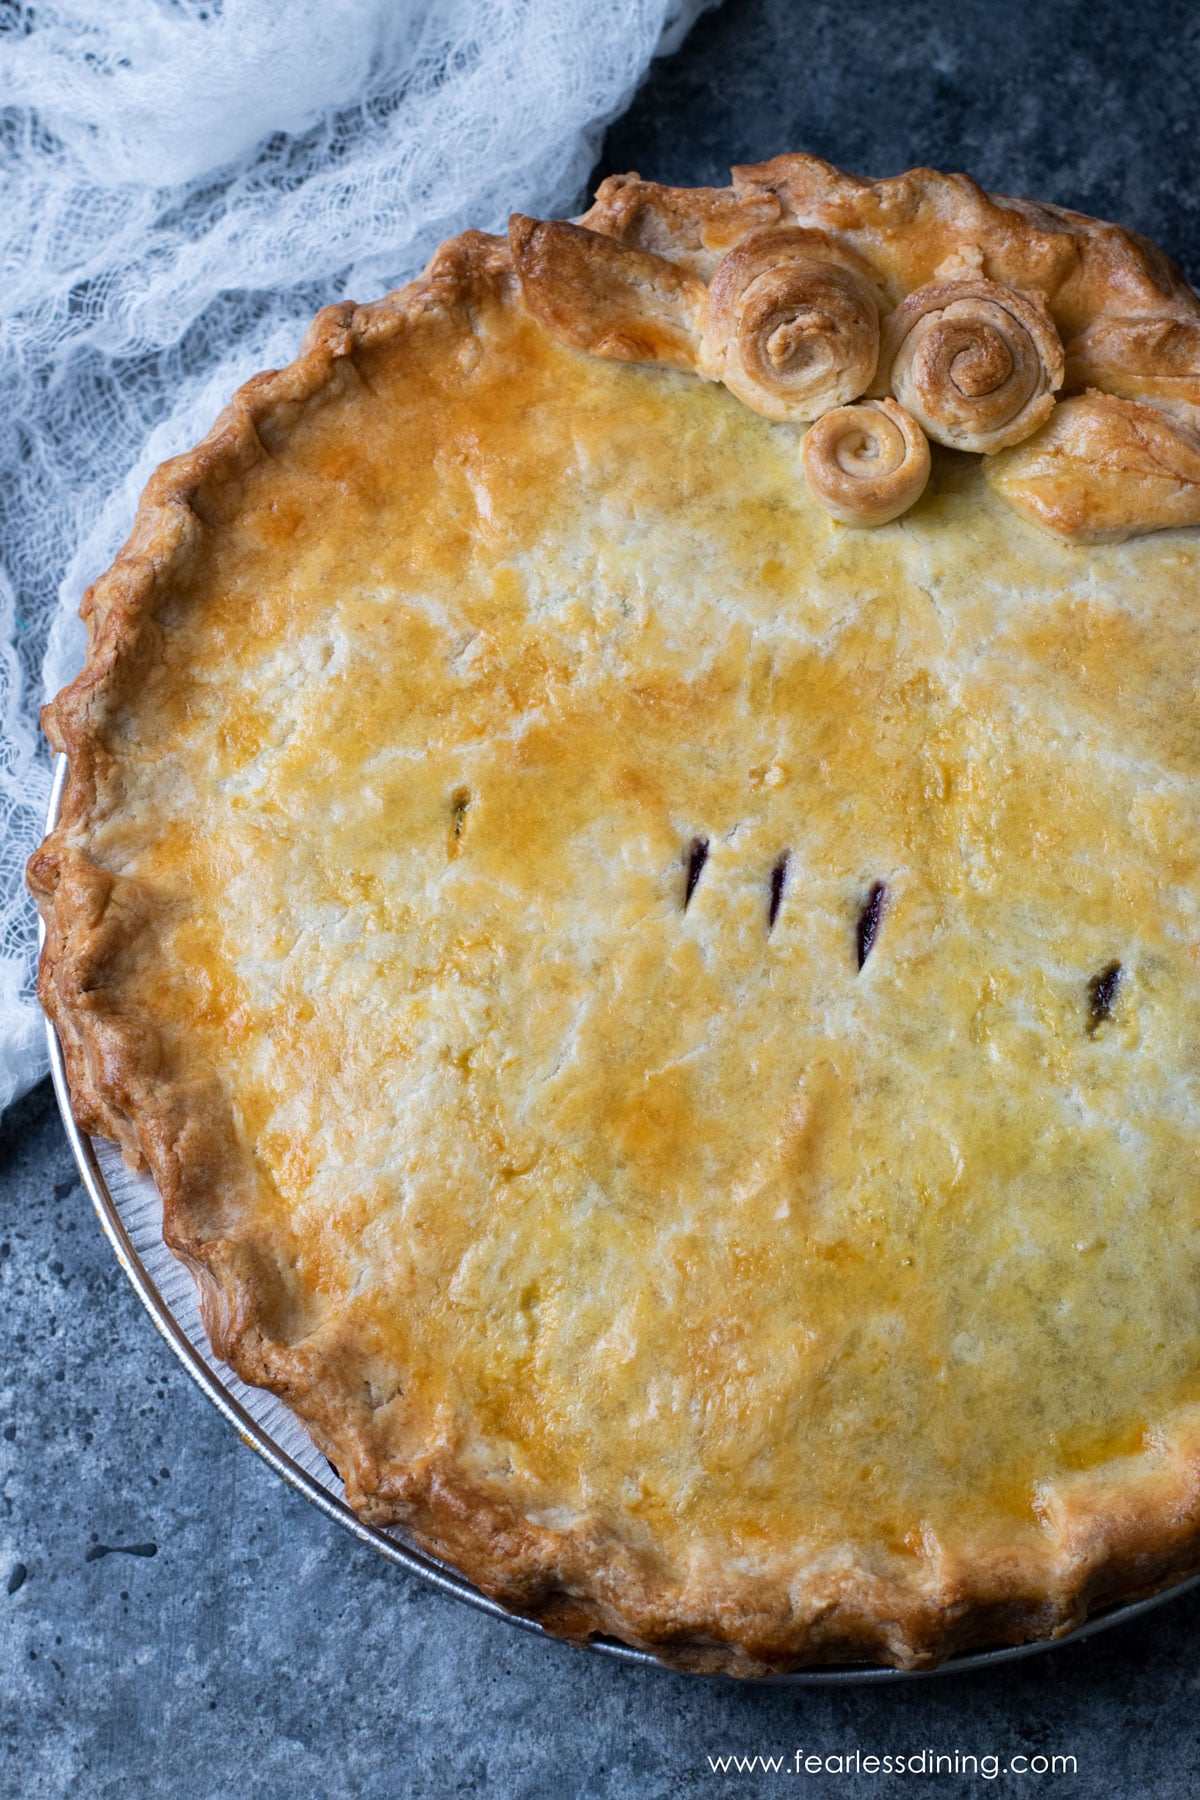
(779, 876)
(460, 800)
(869, 920)
(1102, 994)
(697, 856)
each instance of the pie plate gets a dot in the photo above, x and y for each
(130, 1211)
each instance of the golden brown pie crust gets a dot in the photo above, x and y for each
(681, 278)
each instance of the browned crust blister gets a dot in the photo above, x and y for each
(800, 288)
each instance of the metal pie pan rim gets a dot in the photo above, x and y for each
(439, 1575)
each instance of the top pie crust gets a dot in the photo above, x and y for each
(666, 1028)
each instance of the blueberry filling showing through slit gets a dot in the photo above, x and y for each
(1102, 992)
(869, 920)
(778, 882)
(697, 857)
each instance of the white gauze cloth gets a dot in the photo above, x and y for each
(182, 184)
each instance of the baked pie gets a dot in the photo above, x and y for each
(631, 866)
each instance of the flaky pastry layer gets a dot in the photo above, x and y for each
(665, 1028)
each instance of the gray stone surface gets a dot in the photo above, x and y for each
(177, 1622)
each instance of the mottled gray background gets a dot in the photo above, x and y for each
(230, 1640)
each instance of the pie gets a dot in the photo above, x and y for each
(646, 922)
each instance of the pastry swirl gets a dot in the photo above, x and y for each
(867, 464)
(790, 324)
(976, 364)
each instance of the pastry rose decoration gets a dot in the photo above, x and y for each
(790, 324)
(867, 464)
(779, 286)
(976, 364)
